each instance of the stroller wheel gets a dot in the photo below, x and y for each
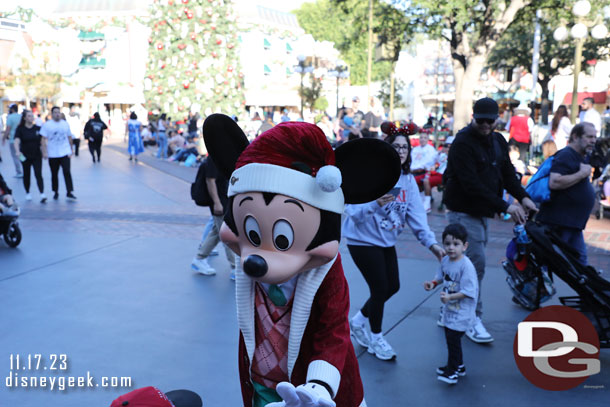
(12, 237)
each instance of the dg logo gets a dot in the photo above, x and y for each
(556, 348)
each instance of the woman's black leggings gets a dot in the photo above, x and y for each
(379, 267)
(37, 164)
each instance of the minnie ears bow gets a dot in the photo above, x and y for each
(408, 129)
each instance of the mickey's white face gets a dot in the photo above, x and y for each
(272, 238)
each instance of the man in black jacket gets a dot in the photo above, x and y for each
(478, 170)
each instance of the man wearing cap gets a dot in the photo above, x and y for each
(478, 170)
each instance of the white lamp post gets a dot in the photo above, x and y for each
(341, 71)
(302, 69)
(579, 32)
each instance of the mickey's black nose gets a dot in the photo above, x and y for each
(255, 266)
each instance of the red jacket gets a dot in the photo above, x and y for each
(519, 129)
(326, 337)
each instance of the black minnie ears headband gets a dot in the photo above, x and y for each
(369, 167)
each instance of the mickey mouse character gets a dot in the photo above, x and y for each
(286, 195)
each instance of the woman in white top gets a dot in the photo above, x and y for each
(561, 127)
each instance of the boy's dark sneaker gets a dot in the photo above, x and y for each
(71, 196)
(461, 370)
(56, 196)
(448, 377)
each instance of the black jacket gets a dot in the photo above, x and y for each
(478, 170)
(4, 189)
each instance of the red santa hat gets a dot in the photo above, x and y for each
(293, 159)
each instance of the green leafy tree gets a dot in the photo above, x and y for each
(385, 93)
(311, 94)
(473, 28)
(345, 24)
(510, 51)
(193, 62)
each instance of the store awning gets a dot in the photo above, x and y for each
(92, 62)
(288, 48)
(598, 97)
(90, 36)
(266, 43)
(288, 71)
(266, 70)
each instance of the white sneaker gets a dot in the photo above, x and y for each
(28, 197)
(381, 349)
(360, 333)
(202, 266)
(427, 204)
(477, 333)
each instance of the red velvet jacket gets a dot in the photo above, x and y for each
(326, 337)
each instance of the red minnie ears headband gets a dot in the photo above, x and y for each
(390, 129)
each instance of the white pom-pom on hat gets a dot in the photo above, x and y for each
(329, 178)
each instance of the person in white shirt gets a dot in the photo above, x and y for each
(57, 147)
(423, 162)
(76, 127)
(591, 115)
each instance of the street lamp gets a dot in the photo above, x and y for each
(302, 69)
(579, 32)
(341, 71)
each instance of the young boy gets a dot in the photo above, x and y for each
(459, 296)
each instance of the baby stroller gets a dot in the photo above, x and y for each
(546, 254)
(9, 227)
(601, 198)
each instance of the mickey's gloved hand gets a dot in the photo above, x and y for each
(306, 395)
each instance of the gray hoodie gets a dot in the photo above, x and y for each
(369, 224)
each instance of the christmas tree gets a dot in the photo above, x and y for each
(193, 62)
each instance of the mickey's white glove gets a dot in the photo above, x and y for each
(306, 395)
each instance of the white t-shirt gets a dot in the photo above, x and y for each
(57, 135)
(592, 116)
(76, 126)
(423, 157)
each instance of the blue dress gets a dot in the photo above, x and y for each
(135, 145)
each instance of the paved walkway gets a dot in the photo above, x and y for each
(106, 281)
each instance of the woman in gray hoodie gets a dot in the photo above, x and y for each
(371, 231)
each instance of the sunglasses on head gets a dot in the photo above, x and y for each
(488, 121)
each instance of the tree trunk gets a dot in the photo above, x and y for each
(465, 83)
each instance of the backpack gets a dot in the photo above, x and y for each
(538, 185)
(199, 189)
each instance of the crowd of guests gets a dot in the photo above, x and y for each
(473, 168)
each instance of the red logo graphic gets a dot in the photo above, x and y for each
(556, 348)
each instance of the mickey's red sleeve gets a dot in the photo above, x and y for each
(331, 339)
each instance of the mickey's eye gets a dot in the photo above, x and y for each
(283, 235)
(252, 231)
